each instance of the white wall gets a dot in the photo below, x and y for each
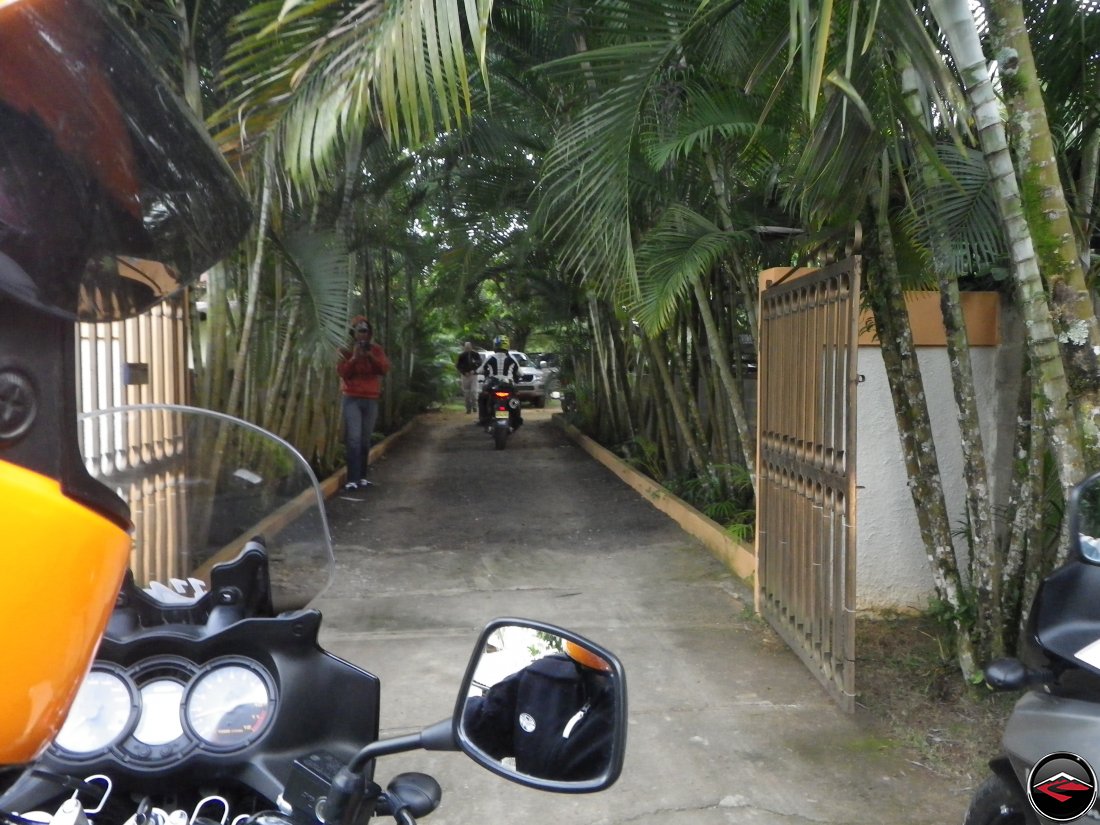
(892, 569)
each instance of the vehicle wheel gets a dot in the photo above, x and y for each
(500, 435)
(999, 802)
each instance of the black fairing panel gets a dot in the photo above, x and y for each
(1065, 617)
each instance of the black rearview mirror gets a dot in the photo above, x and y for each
(1085, 518)
(544, 707)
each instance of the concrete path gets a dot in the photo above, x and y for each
(726, 725)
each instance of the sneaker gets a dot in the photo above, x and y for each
(364, 483)
(350, 486)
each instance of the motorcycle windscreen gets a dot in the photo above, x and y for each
(200, 486)
(112, 195)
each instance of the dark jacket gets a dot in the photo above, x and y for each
(468, 361)
(555, 717)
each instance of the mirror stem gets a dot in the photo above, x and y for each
(437, 737)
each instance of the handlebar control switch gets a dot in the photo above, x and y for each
(417, 793)
(309, 785)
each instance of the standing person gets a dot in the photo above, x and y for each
(360, 368)
(467, 365)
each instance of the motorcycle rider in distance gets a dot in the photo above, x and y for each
(498, 367)
(112, 199)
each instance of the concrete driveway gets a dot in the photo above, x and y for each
(726, 725)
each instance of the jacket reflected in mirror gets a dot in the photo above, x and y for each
(554, 717)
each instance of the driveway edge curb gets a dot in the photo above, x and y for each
(737, 556)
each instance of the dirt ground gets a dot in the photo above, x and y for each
(910, 690)
(726, 724)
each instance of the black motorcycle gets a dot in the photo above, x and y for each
(1051, 743)
(504, 410)
(210, 699)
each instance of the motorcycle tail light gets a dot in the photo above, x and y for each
(501, 394)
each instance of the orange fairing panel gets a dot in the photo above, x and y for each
(61, 567)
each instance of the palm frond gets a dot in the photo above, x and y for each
(683, 247)
(962, 204)
(315, 71)
(585, 202)
(710, 115)
(320, 259)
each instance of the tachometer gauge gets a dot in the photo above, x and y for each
(160, 712)
(102, 712)
(229, 706)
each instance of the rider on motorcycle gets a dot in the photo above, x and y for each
(500, 367)
(112, 198)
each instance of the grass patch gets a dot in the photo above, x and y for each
(911, 691)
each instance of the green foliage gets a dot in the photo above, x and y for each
(724, 494)
(961, 205)
(552, 640)
(684, 247)
(320, 259)
(948, 616)
(641, 454)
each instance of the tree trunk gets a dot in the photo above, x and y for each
(212, 385)
(1022, 507)
(915, 429)
(986, 564)
(253, 288)
(660, 363)
(1048, 216)
(721, 357)
(602, 363)
(1086, 191)
(955, 18)
(281, 365)
(619, 383)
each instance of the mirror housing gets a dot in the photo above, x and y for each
(543, 707)
(1084, 519)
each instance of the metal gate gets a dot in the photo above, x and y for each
(806, 508)
(142, 360)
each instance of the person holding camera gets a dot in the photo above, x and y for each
(360, 368)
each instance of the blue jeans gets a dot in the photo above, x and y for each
(359, 417)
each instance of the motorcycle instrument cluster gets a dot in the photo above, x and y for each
(229, 705)
(164, 707)
(104, 709)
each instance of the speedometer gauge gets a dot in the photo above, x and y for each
(102, 712)
(229, 706)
